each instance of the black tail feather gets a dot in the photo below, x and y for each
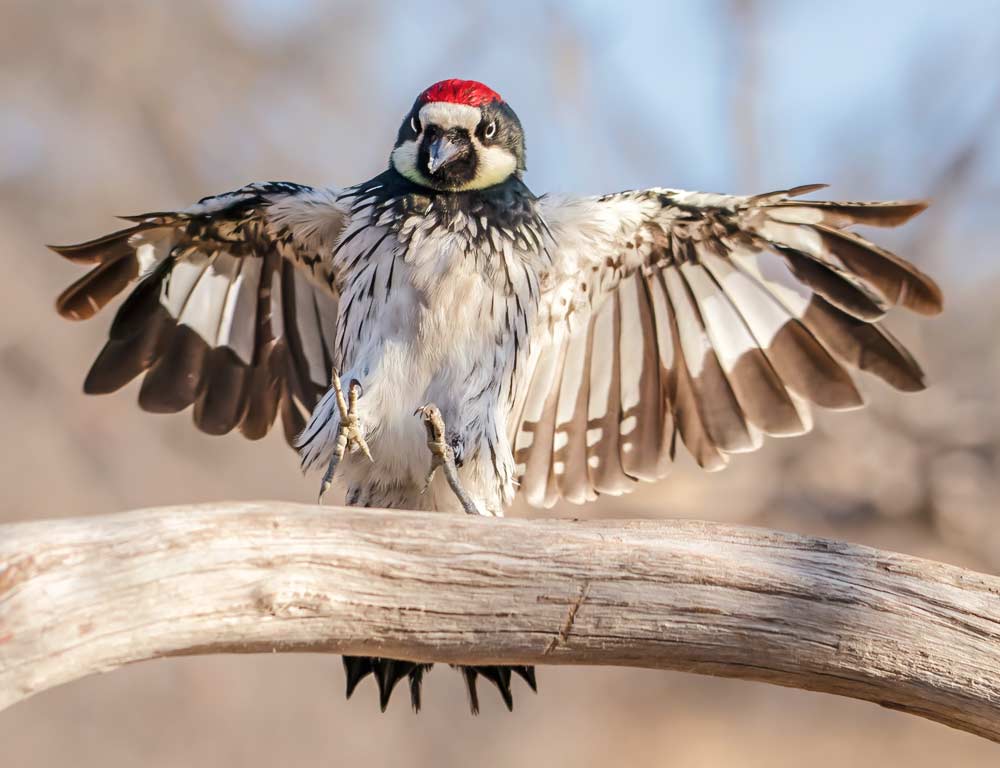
(528, 675)
(416, 679)
(470, 675)
(356, 668)
(388, 672)
(500, 677)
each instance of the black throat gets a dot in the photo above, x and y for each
(510, 204)
(457, 173)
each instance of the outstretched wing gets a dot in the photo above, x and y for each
(234, 310)
(716, 319)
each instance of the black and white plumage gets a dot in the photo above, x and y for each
(571, 344)
(233, 312)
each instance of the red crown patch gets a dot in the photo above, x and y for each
(460, 92)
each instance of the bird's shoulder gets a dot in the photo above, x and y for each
(508, 201)
(486, 217)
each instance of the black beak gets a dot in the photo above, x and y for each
(442, 151)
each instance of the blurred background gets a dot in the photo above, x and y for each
(116, 108)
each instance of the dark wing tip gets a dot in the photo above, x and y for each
(888, 214)
(904, 210)
(102, 249)
(805, 189)
(927, 300)
(777, 195)
(69, 311)
(153, 217)
(81, 253)
(916, 382)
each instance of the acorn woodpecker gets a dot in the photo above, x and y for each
(442, 316)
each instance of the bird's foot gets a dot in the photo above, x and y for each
(443, 456)
(388, 672)
(350, 435)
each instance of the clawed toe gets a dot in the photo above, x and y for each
(443, 456)
(350, 435)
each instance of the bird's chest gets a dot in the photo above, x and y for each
(436, 312)
(438, 308)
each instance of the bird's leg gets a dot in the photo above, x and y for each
(443, 456)
(350, 434)
(387, 672)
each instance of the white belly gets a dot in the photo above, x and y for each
(429, 314)
(429, 339)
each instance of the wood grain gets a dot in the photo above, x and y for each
(80, 596)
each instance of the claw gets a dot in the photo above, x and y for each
(350, 434)
(443, 455)
(354, 392)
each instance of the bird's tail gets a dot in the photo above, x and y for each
(388, 672)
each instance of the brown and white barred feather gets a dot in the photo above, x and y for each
(235, 311)
(716, 319)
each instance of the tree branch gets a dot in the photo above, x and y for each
(88, 595)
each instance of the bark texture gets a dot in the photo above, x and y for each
(80, 596)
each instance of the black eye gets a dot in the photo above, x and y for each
(491, 129)
(415, 124)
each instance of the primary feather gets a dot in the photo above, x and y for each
(715, 318)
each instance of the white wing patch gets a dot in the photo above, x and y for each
(207, 323)
(712, 319)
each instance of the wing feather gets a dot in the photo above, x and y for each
(711, 390)
(713, 318)
(571, 416)
(534, 443)
(234, 311)
(686, 408)
(604, 465)
(641, 404)
(803, 362)
(758, 388)
(665, 353)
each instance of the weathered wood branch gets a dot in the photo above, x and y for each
(88, 595)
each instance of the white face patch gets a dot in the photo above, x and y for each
(446, 115)
(404, 160)
(495, 164)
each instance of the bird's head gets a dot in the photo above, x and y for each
(459, 135)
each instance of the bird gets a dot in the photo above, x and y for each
(441, 338)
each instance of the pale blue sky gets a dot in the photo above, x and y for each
(875, 98)
(884, 81)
